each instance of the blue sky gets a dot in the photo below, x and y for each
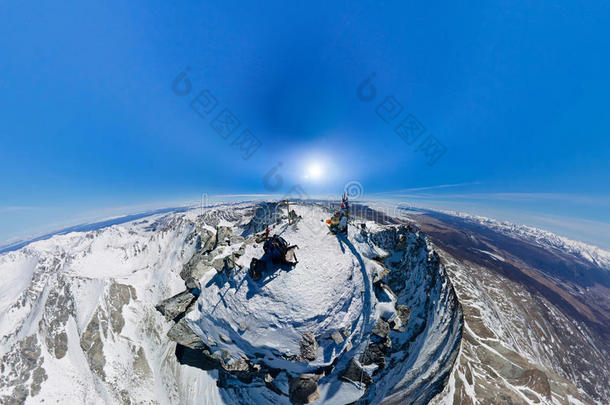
(516, 93)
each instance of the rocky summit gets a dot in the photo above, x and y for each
(417, 307)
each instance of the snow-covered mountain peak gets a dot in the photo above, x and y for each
(322, 294)
(324, 329)
(81, 320)
(162, 310)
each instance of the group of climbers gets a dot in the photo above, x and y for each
(278, 251)
(338, 222)
(281, 253)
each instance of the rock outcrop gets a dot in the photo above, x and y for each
(223, 236)
(309, 347)
(182, 334)
(304, 389)
(177, 305)
(355, 373)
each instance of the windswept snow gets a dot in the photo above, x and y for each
(16, 270)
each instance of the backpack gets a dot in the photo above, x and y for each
(276, 248)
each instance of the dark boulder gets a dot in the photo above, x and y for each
(183, 334)
(356, 374)
(304, 389)
(175, 306)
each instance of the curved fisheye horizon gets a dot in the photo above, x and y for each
(504, 207)
(362, 93)
(226, 203)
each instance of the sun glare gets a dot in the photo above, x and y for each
(314, 171)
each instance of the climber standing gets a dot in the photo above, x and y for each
(339, 221)
(344, 210)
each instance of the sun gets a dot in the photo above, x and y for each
(314, 171)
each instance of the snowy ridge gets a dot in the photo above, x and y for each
(80, 326)
(535, 312)
(593, 254)
(523, 340)
(425, 354)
